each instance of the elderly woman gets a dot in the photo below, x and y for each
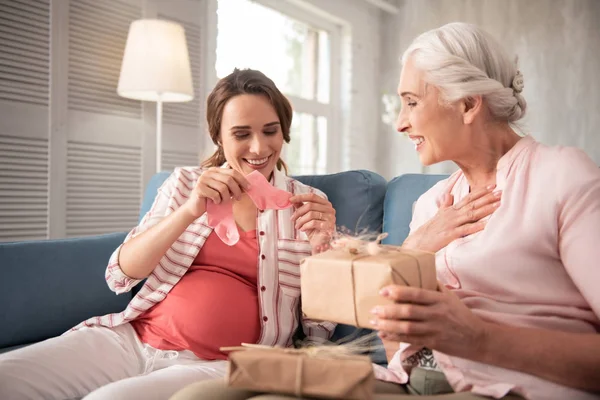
(516, 232)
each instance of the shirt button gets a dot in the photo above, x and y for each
(261, 233)
(262, 256)
(262, 289)
(265, 318)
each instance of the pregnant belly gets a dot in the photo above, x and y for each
(206, 310)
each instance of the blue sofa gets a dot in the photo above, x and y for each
(48, 286)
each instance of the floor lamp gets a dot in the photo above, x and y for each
(156, 67)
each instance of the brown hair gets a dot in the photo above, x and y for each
(244, 81)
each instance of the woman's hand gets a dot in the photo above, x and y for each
(217, 184)
(455, 221)
(315, 216)
(438, 320)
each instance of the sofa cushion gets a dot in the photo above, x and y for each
(401, 194)
(357, 197)
(49, 286)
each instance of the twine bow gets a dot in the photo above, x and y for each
(358, 245)
(362, 248)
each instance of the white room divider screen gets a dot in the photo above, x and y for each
(74, 156)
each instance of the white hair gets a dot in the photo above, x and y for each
(462, 60)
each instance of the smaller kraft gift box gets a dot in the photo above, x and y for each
(342, 284)
(313, 371)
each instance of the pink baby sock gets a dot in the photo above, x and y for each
(263, 195)
(220, 217)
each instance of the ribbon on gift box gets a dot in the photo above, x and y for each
(362, 248)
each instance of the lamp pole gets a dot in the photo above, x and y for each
(159, 106)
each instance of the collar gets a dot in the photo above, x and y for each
(511, 156)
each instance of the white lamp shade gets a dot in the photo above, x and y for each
(156, 64)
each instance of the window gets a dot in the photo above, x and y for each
(296, 53)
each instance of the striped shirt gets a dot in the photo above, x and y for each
(281, 248)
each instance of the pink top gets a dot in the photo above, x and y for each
(215, 304)
(536, 264)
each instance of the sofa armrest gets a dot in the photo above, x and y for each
(49, 286)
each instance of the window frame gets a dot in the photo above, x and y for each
(332, 111)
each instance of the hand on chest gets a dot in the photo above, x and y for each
(518, 235)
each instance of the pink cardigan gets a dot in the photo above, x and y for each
(536, 264)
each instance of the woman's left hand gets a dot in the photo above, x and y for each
(438, 320)
(315, 216)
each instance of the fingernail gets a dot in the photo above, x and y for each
(497, 204)
(497, 193)
(384, 292)
(375, 310)
(373, 322)
(383, 335)
(490, 187)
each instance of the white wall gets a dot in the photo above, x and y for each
(558, 44)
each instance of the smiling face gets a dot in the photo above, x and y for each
(436, 129)
(251, 134)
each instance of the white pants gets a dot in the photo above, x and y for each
(100, 363)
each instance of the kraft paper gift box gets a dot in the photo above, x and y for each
(342, 285)
(301, 372)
